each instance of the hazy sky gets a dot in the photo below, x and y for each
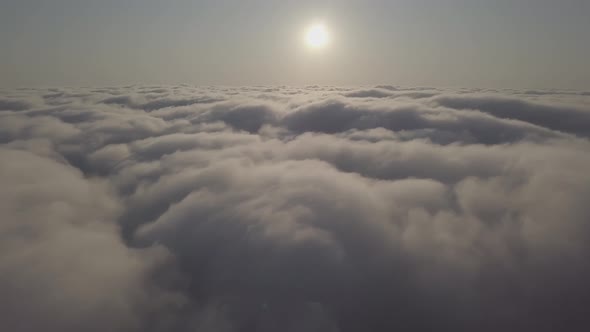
(502, 43)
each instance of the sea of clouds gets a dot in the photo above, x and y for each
(181, 208)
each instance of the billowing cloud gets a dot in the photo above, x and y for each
(177, 208)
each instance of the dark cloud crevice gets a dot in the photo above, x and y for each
(562, 118)
(14, 105)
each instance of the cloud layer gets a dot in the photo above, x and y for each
(175, 208)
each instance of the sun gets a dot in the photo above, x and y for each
(317, 36)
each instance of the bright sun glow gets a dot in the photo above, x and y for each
(317, 36)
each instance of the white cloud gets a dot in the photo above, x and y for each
(267, 208)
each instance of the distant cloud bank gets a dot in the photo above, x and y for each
(175, 208)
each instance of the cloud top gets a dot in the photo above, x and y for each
(179, 208)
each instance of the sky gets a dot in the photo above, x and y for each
(466, 43)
